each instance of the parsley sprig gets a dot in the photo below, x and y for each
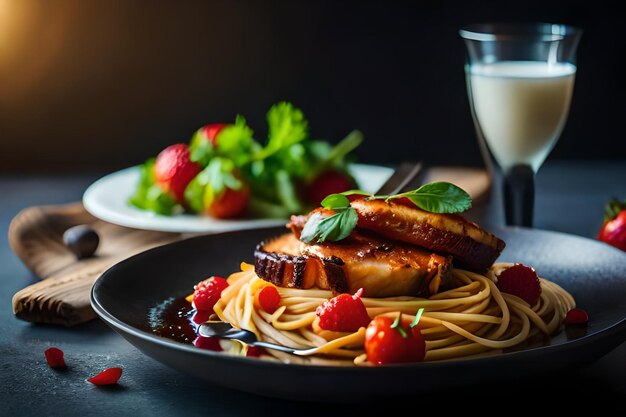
(436, 197)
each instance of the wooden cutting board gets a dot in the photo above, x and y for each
(62, 297)
(63, 294)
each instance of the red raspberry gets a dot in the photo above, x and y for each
(255, 351)
(329, 182)
(208, 343)
(173, 170)
(343, 313)
(207, 293)
(576, 316)
(521, 281)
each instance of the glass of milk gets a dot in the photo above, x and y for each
(520, 79)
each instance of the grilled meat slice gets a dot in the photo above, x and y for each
(382, 269)
(471, 246)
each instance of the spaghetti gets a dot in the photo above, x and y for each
(472, 318)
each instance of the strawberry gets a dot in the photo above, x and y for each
(173, 170)
(207, 293)
(343, 313)
(329, 182)
(521, 281)
(613, 230)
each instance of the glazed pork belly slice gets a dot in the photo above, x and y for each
(470, 246)
(381, 268)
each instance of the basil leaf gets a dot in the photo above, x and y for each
(439, 197)
(310, 230)
(320, 228)
(338, 226)
(335, 201)
(356, 192)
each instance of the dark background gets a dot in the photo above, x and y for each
(100, 85)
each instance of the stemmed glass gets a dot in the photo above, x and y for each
(520, 79)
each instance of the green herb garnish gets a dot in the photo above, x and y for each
(396, 325)
(320, 228)
(436, 197)
(278, 170)
(211, 182)
(613, 208)
(417, 318)
(149, 196)
(287, 126)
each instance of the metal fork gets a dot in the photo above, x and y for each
(406, 177)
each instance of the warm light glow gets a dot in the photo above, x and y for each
(29, 41)
(15, 17)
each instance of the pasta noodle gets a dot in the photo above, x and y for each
(473, 318)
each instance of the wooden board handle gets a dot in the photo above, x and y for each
(63, 295)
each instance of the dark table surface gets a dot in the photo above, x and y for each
(570, 198)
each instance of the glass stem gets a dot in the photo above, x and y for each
(519, 196)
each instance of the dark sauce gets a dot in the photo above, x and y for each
(175, 319)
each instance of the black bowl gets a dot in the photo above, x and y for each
(593, 272)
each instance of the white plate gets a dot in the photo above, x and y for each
(108, 197)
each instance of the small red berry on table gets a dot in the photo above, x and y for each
(54, 357)
(109, 376)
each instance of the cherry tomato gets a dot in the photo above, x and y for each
(385, 344)
(212, 130)
(230, 203)
(268, 298)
